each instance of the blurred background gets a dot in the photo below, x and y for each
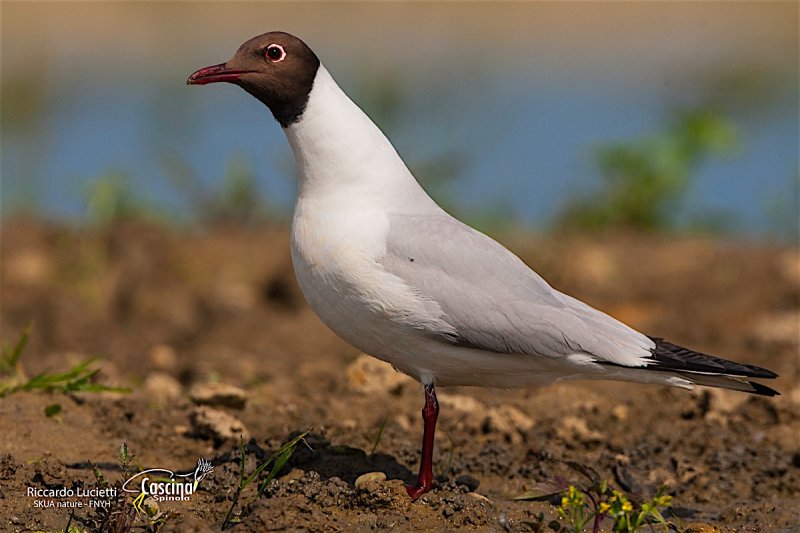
(641, 156)
(653, 116)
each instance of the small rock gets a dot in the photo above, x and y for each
(370, 478)
(509, 421)
(620, 412)
(469, 482)
(163, 357)
(367, 375)
(28, 267)
(573, 428)
(162, 388)
(218, 395)
(460, 403)
(479, 498)
(794, 396)
(211, 423)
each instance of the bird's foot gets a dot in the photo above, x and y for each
(418, 489)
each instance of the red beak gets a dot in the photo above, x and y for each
(214, 74)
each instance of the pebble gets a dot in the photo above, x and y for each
(460, 403)
(370, 478)
(574, 428)
(479, 498)
(163, 357)
(218, 395)
(794, 396)
(509, 421)
(367, 375)
(28, 267)
(212, 423)
(620, 412)
(468, 481)
(162, 388)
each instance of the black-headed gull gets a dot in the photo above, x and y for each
(397, 277)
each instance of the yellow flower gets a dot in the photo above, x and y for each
(604, 507)
(564, 502)
(664, 501)
(627, 506)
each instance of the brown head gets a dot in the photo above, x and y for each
(277, 68)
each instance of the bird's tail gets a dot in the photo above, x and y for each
(729, 382)
(702, 369)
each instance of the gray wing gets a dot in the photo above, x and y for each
(494, 301)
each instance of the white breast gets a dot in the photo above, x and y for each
(334, 253)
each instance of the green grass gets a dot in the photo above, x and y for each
(9, 363)
(378, 437)
(276, 461)
(79, 378)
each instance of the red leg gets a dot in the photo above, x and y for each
(430, 413)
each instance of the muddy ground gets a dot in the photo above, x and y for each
(166, 311)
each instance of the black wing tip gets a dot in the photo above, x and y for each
(668, 356)
(764, 373)
(762, 390)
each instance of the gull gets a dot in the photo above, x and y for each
(396, 276)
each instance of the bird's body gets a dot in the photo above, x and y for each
(397, 277)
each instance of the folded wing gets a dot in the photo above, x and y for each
(495, 302)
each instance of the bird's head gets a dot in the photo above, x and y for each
(276, 67)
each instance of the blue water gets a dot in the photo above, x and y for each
(523, 144)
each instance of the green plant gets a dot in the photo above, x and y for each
(236, 200)
(594, 501)
(278, 460)
(109, 198)
(645, 179)
(79, 378)
(120, 516)
(9, 361)
(578, 508)
(378, 437)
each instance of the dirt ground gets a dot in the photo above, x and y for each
(166, 311)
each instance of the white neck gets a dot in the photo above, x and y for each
(338, 148)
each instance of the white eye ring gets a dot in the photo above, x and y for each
(271, 48)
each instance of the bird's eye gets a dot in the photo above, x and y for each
(275, 53)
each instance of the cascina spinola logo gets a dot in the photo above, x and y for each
(165, 485)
